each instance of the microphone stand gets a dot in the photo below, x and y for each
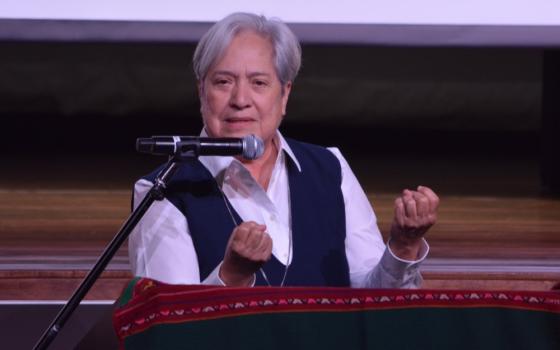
(155, 193)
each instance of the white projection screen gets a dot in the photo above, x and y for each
(389, 22)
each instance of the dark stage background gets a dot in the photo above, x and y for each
(63, 104)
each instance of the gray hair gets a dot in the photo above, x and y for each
(212, 45)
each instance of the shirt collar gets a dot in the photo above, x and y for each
(218, 164)
(288, 150)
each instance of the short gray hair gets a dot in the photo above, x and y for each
(211, 47)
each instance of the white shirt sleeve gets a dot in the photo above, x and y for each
(160, 247)
(371, 262)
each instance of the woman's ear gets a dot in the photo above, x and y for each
(285, 95)
(200, 90)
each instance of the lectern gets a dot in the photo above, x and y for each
(152, 315)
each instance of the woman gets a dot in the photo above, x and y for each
(295, 216)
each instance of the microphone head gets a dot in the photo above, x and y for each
(253, 147)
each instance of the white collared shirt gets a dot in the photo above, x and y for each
(161, 247)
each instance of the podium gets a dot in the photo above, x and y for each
(153, 315)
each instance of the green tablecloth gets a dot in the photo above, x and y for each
(152, 315)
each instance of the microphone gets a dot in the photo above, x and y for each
(249, 147)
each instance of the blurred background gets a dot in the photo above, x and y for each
(71, 111)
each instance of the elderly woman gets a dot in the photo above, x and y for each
(295, 216)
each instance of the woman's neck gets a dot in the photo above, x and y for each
(261, 169)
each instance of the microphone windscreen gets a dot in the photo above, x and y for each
(253, 147)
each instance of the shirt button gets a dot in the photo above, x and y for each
(273, 217)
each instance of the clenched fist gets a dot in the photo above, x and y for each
(415, 213)
(248, 249)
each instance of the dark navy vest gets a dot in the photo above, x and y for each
(317, 212)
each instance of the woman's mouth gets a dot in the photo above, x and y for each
(240, 120)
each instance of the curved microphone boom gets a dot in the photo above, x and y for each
(249, 147)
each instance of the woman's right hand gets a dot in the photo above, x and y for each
(248, 249)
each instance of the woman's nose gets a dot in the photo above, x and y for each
(240, 96)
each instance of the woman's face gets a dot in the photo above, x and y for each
(241, 94)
